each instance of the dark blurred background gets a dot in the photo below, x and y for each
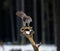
(45, 15)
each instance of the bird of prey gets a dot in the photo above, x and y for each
(25, 18)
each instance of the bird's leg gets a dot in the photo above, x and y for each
(28, 24)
